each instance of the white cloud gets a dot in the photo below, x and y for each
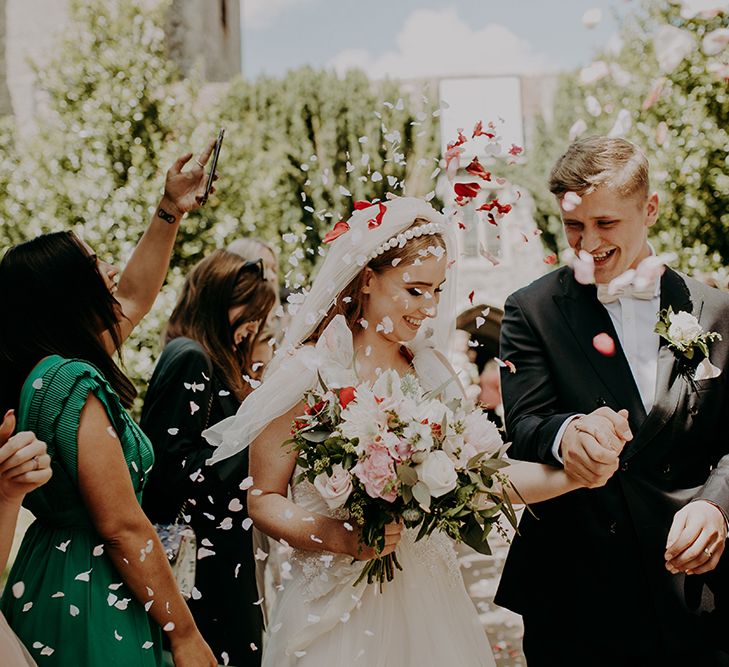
(440, 43)
(261, 13)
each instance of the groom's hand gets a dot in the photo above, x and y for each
(696, 539)
(591, 446)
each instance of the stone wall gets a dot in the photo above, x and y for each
(206, 34)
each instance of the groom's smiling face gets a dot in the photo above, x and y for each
(613, 228)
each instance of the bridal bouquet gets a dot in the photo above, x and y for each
(390, 451)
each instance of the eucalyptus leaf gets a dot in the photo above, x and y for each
(315, 436)
(422, 495)
(407, 475)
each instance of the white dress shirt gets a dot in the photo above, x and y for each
(634, 321)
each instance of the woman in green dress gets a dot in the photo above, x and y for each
(91, 585)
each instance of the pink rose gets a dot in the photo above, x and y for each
(377, 472)
(334, 489)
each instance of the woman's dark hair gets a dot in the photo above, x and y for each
(221, 281)
(53, 300)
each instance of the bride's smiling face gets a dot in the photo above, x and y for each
(400, 298)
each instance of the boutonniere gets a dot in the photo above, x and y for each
(685, 336)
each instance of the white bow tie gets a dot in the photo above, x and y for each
(605, 295)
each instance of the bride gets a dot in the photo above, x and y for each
(384, 298)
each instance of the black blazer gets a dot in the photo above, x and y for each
(185, 396)
(594, 558)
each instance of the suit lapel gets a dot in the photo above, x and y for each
(587, 318)
(670, 385)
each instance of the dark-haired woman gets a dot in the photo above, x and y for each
(91, 585)
(197, 382)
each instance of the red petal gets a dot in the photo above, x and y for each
(461, 139)
(377, 220)
(502, 209)
(478, 131)
(475, 168)
(359, 205)
(550, 259)
(466, 189)
(515, 150)
(604, 345)
(471, 295)
(346, 396)
(340, 228)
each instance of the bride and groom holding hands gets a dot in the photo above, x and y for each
(614, 433)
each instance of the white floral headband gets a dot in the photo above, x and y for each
(399, 241)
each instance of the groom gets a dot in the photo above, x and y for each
(630, 573)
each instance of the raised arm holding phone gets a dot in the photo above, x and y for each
(91, 541)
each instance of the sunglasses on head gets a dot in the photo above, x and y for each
(255, 266)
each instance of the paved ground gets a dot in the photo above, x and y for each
(481, 575)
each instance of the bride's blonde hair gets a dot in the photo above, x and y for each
(350, 301)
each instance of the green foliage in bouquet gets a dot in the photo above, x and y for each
(466, 507)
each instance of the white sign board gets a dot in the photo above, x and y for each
(466, 101)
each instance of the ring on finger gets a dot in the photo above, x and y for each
(36, 462)
(202, 166)
(708, 552)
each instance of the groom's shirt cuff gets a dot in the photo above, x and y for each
(558, 438)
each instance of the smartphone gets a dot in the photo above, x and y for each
(213, 165)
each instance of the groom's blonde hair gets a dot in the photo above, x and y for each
(595, 161)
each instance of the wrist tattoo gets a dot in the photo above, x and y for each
(167, 217)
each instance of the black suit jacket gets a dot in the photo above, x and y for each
(594, 558)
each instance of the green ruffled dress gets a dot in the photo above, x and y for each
(64, 598)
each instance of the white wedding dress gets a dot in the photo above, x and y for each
(423, 618)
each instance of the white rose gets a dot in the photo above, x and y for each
(438, 473)
(684, 328)
(481, 433)
(334, 489)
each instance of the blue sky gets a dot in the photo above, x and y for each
(404, 38)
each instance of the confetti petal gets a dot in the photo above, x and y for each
(604, 344)
(235, 505)
(340, 228)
